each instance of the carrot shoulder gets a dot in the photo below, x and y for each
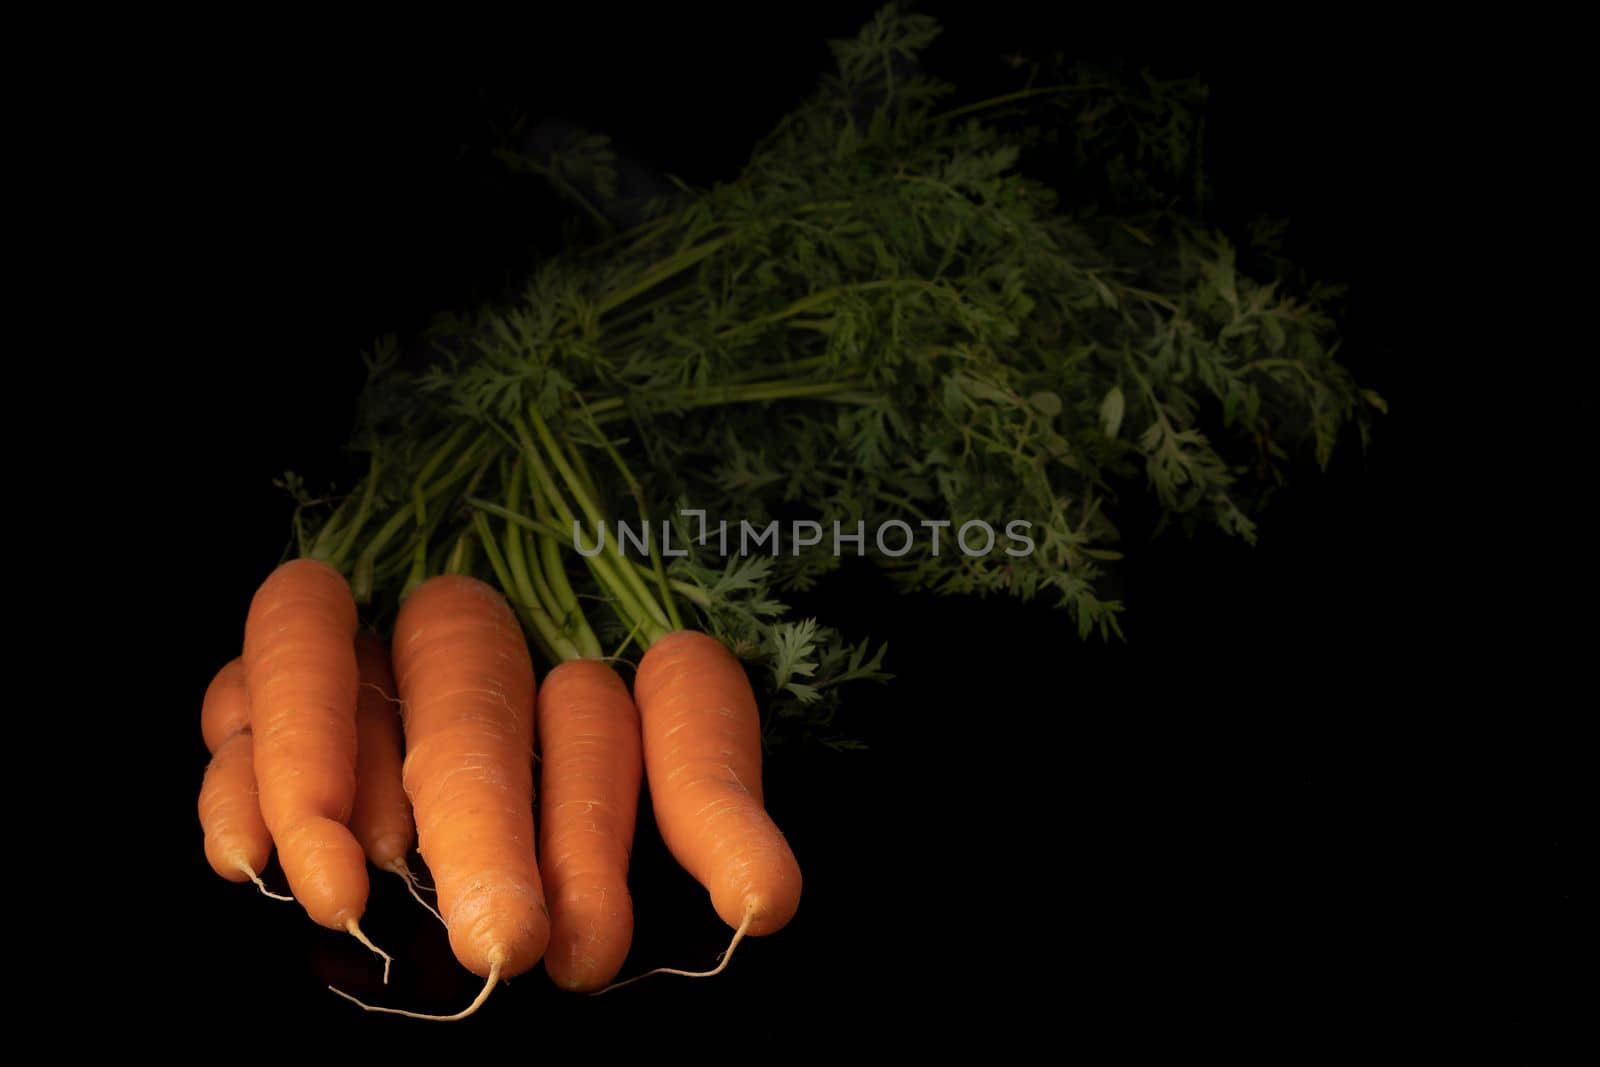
(300, 669)
(590, 772)
(702, 756)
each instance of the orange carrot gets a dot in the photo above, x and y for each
(590, 770)
(300, 669)
(702, 756)
(467, 691)
(236, 840)
(381, 818)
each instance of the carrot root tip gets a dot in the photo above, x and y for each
(727, 954)
(399, 867)
(256, 878)
(355, 931)
(477, 1002)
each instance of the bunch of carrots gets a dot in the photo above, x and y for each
(340, 752)
(884, 321)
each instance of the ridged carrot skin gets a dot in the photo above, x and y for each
(702, 756)
(381, 818)
(300, 669)
(590, 771)
(466, 685)
(226, 707)
(237, 842)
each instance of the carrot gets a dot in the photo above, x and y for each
(590, 771)
(237, 843)
(467, 691)
(381, 818)
(702, 757)
(300, 670)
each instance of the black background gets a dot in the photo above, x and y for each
(1297, 800)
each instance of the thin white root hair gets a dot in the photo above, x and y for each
(399, 867)
(376, 688)
(355, 932)
(738, 936)
(483, 995)
(411, 876)
(256, 878)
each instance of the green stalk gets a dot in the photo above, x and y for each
(387, 532)
(531, 585)
(602, 568)
(1010, 98)
(644, 516)
(323, 545)
(323, 549)
(573, 620)
(499, 511)
(558, 460)
(336, 558)
(395, 568)
(419, 560)
(600, 565)
(629, 638)
(640, 593)
(689, 591)
(637, 586)
(887, 498)
(551, 642)
(460, 559)
(516, 563)
(636, 237)
(793, 366)
(609, 409)
(821, 297)
(659, 272)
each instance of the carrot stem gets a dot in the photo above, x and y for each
(640, 590)
(461, 466)
(459, 561)
(330, 526)
(687, 590)
(600, 566)
(572, 620)
(659, 272)
(363, 513)
(530, 586)
(609, 409)
(419, 555)
(499, 511)
(644, 516)
(552, 642)
(627, 640)
(610, 577)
